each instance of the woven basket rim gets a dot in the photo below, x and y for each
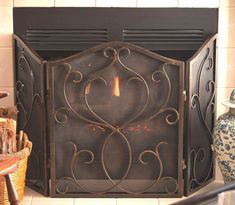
(20, 154)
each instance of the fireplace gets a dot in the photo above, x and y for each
(120, 107)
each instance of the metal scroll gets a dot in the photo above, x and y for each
(73, 105)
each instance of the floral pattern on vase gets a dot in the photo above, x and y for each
(224, 141)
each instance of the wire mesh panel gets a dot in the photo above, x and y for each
(200, 117)
(116, 123)
(31, 103)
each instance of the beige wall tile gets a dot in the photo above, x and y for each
(198, 3)
(9, 100)
(223, 94)
(96, 201)
(6, 27)
(226, 27)
(116, 3)
(33, 3)
(137, 201)
(157, 3)
(6, 3)
(6, 67)
(227, 3)
(226, 67)
(74, 3)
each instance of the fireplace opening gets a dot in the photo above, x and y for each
(122, 109)
(177, 54)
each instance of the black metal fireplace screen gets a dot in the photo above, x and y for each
(116, 119)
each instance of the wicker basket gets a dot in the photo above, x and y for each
(18, 176)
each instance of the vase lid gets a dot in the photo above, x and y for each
(231, 102)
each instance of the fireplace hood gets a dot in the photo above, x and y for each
(118, 102)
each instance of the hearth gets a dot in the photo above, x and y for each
(117, 102)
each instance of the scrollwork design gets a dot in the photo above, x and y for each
(25, 66)
(116, 57)
(211, 104)
(117, 183)
(27, 98)
(198, 155)
(60, 116)
(69, 106)
(173, 181)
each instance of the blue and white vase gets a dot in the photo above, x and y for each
(224, 141)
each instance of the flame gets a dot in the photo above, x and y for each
(116, 86)
(88, 89)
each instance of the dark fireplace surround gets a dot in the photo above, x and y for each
(118, 102)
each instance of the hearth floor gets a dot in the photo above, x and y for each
(33, 198)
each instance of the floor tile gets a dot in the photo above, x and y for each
(137, 201)
(51, 201)
(26, 200)
(167, 201)
(95, 201)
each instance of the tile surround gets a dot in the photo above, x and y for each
(157, 3)
(227, 3)
(115, 3)
(75, 3)
(198, 3)
(222, 95)
(6, 28)
(8, 3)
(226, 27)
(34, 3)
(6, 65)
(226, 65)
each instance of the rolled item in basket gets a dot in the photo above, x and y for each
(7, 136)
(8, 112)
(8, 117)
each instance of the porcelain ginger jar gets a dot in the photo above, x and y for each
(224, 141)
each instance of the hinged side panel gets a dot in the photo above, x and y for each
(31, 103)
(199, 117)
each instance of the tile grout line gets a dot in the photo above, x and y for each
(31, 200)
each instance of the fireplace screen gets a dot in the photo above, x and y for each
(120, 108)
(117, 119)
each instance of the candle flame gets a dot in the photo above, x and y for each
(88, 88)
(116, 86)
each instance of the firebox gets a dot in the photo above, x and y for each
(118, 102)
